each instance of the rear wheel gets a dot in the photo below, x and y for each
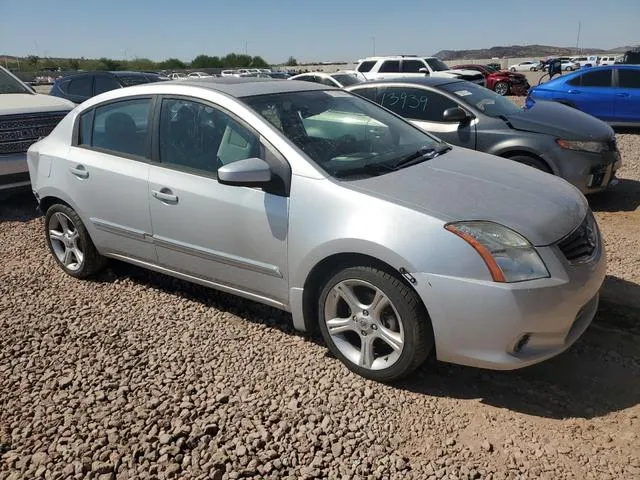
(532, 162)
(512, 69)
(501, 88)
(70, 244)
(374, 323)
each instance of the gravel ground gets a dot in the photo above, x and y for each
(137, 375)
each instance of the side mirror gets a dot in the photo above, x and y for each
(424, 70)
(250, 172)
(455, 114)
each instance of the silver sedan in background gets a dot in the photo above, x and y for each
(318, 202)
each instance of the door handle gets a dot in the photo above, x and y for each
(79, 171)
(165, 195)
(622, 94)
(574, 92)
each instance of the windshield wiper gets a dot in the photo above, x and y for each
(366, 169)
(421, 155)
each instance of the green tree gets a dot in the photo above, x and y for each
(258, 62)
(74, 64)
(171, 64)
(33, 61)
(291, 62)
(141, 64)
(205, 61)
(108, 64)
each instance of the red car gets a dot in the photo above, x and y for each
(501, 82)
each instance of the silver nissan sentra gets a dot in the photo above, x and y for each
(391, 242)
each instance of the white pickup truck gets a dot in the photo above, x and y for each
(25, 116)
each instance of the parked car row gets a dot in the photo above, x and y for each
(328, 205)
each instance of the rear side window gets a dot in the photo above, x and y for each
(412, 66)
(629, 78)
(369, 93)
(80, 86)
(366, 66)
(122, 127)
(414, 103)
(390, 66)
(597, 78)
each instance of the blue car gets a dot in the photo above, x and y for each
(610, 93)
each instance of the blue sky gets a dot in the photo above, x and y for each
(309, 30)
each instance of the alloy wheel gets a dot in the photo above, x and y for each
(364, 324)
(65, 241)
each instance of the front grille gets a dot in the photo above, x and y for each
(19, 132)
(581, 244)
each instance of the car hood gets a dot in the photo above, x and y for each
(16, 103)
(559, 120)
(467, 185)
(454, 72)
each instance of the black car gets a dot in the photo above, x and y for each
(81, 86)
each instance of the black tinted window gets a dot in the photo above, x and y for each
(198, 137)
(104, 84)
(122, 127)
(414, 103)
(629, 78)
(369, 93)
(366, 66)
(80, 86)
(412, 66)
(390, 66)
(597, 78)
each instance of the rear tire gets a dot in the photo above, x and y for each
(512, 69)
(531, 161)
(374, 323)
(70, 243)
(501, 88)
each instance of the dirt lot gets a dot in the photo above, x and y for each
(137, 375)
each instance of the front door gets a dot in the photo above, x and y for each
(106, 173)
(592, 93)
(425, 108)
(627, 103)
(232, 236)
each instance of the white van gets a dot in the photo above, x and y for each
(609, 60)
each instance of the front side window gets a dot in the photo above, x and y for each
(105, 84)
(414, 103)
(81, 86)
(122, 127)
(342, 133)
(365, 67)
(628, 78)
(412, 66)
(196, 136)
(390, 66)
(597, 78)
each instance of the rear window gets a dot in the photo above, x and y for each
(81, 86)
(366, 66)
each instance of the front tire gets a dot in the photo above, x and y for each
(532, 162)
(374, 323)
(70, 243)
(501, 88)
(512, 69)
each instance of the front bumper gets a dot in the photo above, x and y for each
(504, 326)
(589, 172)
(14, 172)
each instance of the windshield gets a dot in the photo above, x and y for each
(341, 132)
(436, 64)
(483, 99)
(346, 79)
(9, 84)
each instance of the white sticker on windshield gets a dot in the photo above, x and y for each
(463, 93)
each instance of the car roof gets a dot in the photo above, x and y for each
(247, 86)
(426, 81)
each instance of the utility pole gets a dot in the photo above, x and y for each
(246, 50)
(578, 39)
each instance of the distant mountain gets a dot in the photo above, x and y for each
(520, 51)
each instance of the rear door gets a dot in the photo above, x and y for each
(106, 175)
(593, 93)
(627, 95)
(425, 108)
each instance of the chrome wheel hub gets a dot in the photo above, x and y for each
(65, 241)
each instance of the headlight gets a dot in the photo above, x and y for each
(593, 147)
(508, 255)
